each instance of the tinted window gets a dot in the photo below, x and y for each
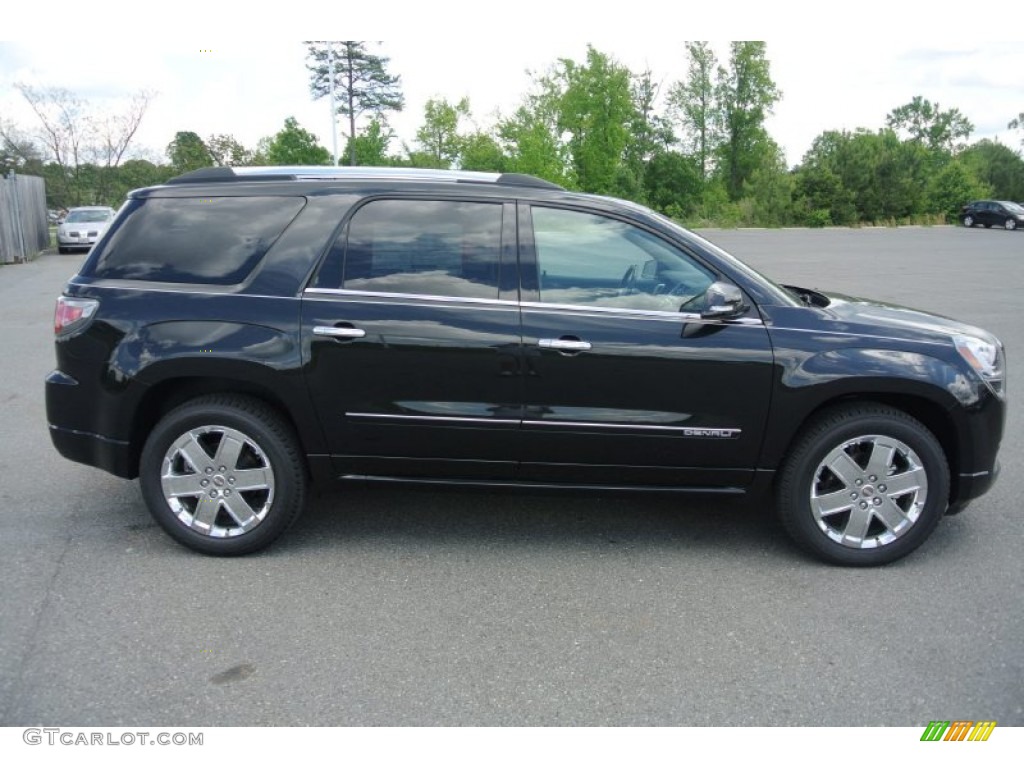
(443, 248)
(597, 261)
(195, 240)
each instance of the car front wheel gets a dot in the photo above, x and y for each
(863, 485)
(223, 475)
(1010, 224)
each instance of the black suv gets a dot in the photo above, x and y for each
(993, 213)
(239, 333)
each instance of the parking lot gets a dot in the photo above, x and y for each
(394, 606)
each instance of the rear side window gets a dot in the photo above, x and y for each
(195, 240)
(430, 247)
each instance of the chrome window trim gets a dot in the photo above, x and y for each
(686, 317)
(344, 292)
(533, 306)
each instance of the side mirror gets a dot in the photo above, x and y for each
(722, 301)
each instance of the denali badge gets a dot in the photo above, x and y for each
(711, 432)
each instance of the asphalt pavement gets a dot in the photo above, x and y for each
(394, 606)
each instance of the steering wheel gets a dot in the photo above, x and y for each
(627, 284)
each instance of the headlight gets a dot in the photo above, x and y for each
(985, 358)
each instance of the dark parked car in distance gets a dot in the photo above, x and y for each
(993, 213)
(238, 334)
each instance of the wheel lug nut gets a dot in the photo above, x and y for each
(859, 481)
(873, 478)
(227, 493)
(876, 501)
(863, 505)
(221, 469)
(231, 480)
(204, 483)
(881, 488)
(209, 470)
(853, 495)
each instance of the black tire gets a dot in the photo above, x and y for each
(1010, 224)
(968, 221)
(806, 486)
(267, 452)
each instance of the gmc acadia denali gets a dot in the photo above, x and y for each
(239, 333)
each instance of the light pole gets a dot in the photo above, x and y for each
(334, 116)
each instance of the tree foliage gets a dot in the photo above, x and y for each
(440, 144)
(596, 110)
(746, 95)
(188, 152)
(695, 105)
(929, 124)
(293, 145)
(360, 81)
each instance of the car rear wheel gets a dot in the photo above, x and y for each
(863, 485)
(968, 220)
(223, 475)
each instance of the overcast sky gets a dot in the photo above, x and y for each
(839, 67)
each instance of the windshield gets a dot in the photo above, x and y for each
(87, 217)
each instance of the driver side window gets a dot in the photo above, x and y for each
(595, 261)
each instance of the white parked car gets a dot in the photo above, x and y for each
(83, 227)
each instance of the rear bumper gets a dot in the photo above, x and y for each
(114, 456)
(76, 432)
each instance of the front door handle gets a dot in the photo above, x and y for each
(338, 333)
(564, 344)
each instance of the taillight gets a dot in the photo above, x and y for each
(72, 313)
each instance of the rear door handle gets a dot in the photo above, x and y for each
(566, 343)
(338, 333)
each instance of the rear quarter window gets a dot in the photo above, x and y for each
(215, 240)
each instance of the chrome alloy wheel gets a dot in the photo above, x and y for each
(869, 491)
(217, 481)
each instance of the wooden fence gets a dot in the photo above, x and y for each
(24, 229)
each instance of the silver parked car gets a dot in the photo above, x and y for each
(83, 227)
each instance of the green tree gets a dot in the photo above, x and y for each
(596, 110)
(481, 152)
(530, 137)
(133, 174)
(927, 123)
(954, 186)
(673, 184)
(360, 81)
(695, 105)
(438, 138)
(370, 148)
(188, 152)
(225, 149)
(746, 95)
(293, 145)
(770, 189)
(998, 167)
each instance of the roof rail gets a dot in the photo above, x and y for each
(339, 173)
